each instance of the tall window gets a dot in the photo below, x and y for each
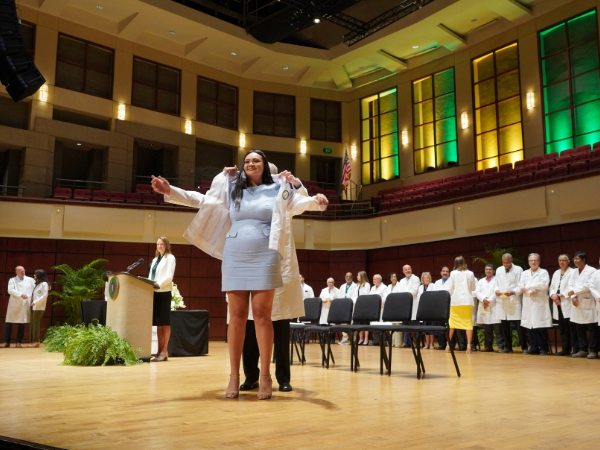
(28, 34)
(274, 114)
(84, 67)
(497, 96)
(325, 120)
(379, 137)
(217, 103)
(571, 81)
(434, 122)
(155, 86)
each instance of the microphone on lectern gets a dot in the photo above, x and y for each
(135, 264)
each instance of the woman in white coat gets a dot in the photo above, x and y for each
(427, 285)
(536, 307)
(559, 289)
(328, 294)
(38, 305)
(162, 270)
(461, 305)
(363, 286)
(243, 221)
(486, 311)
(583, 312)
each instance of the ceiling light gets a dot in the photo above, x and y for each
(79, 143)
(286, 68)
(316, 20)
(171, 32)
(99, 6)
(415, 46)
(233, 53)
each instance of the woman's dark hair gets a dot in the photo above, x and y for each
(40, 277)
(390, 276)
(241, 181)
(582, 255)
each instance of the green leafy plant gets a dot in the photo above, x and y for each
(79, 285)
(91, 345)
(496, 257)
(481, 338)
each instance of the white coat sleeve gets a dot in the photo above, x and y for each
(472, 282)
(414, 288)
(42, 294)
(554, 283)
(479, 291)
(186, 198)
(12, 288)
(522, 280)
(542, 282)
(494, 287)
(594, 285)
(311, 292)
(584, 288)
(169, 273)
(298, 204)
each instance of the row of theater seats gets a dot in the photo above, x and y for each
(533, 170)
(334, 200)
(99, 195)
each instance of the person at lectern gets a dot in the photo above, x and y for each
(162, 270)
(20, 289)
(242, 220)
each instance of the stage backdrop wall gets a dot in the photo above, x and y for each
(198, 275)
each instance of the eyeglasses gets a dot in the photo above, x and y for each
(563, 260)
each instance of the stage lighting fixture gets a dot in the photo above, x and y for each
(121, 112)
(353, 152)
(188, 127)
(242, 140)
(405, 138)
(44, 93)
(303, 146)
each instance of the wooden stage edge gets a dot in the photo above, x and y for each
(502, 401)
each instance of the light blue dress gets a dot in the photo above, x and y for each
(248, 263)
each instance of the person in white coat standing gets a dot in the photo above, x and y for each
(559, 288)
(364, 288)
(410, 283)
(594, 285)
(20, 289)
(461, 305)
(38, 306)
(379, 289)
(583, 312)
(327, 295)
(307, 291)
(509, 301)
(445, 284)
(486, 311)
(536, 315)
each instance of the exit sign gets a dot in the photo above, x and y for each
(327, 150)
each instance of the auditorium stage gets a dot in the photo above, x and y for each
(500, 402)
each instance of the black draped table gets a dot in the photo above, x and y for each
(189, 329)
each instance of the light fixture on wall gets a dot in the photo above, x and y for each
(464, 121)
(405, 137)
(353, 151)
(44, 93)
(121, 112)
(242, 140)
(530, 100)
(303, 146)
(188, 127)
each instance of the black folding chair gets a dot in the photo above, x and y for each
(434, 306)
(397, 308)
(312, 313)
(367, 309)
(340, 311)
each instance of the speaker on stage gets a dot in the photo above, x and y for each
(17, 70)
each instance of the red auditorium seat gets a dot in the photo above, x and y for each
(143, 189)
(506, 166)
(595, 153)
(116, 196)
(525, 178)
(385, 206)
(436, 182)
(133, 197)
(449, 179)
(149, 199)
(331, 192)
(160, 199)
(399, 195)
(529, 168)
(494, 185)
(541, 175)
(564, 160)
(467, 190)
(65, 193)
(388, 197)
(568, 152)
(583, 155)
(82, 194)
(486, 178)
(476, 174)
(500, 175)
(552, 155)
(509, 182)
(491, 170)
(208, 183)
(583, 148)
(559, 171)
(523, 162)
(449, 195)
(334, 200)
(594, 164)
(536, 159)
(100, 196)
(514, 172)
(578, 167)
(464, 176)
(547, 164)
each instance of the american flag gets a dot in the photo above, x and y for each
(346, 171)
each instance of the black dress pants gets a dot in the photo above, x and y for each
(508, 334)
(489, 335)
(8, 332)
(251, 352)
(574, 337)
(584, 344)
(460, 335)
(567, 335)
(538, 338)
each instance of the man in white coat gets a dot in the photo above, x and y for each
(445, 284)
(536, 315)
(20, 289)
(561, 311)
(410, 283)
(328, 294)
(307, 291)
(348, 290)
(584, 312)
(509, 301)
(378, 288)
(594, 285)
(486, 312)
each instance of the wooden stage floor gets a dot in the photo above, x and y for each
(500, 402)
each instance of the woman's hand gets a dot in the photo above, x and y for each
(290, 178)
(161, 185)
(231, 171)
(321, 200)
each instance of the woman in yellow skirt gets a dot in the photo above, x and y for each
(461, 306)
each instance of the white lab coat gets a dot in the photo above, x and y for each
(464, 285)
(349, 291)
(327, 293)
(40, 296)
(379, 290)
(364, 290)
(594, 285)
(307, 291)
(565, 302)
(486, 290)
(18, 308)
(164, 273)
(536, 307)
(411, 285)
(391, 289)
(586, 312)
(447, 286)
(209, 228)
(509, 308)
(431, 288)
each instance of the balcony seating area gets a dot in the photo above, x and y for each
(538, 169)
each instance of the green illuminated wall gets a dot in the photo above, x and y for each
(571, 83)
(497, 95)
(434, 115)
(379, 137)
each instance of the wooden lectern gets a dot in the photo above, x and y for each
(129, 309)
